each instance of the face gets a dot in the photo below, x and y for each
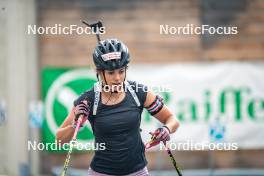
(114, 78)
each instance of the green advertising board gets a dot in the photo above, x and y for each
(60, 87)
(199, 101)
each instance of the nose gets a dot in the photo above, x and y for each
(117, 77)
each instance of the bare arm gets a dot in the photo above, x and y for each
(65, 132)
(165, 116)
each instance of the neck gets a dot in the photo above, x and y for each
(106, 90)
(113, 94)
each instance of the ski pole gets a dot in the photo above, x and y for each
(72, 143)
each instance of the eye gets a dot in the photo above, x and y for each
(110, 72)
(121, 71)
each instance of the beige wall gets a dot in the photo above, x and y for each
(18, 87)
(2, 81)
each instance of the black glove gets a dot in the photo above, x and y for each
(82, 109)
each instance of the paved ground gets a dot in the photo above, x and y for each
(226, 172)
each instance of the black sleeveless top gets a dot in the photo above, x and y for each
(118, 126)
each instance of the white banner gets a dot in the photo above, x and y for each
(221, 102)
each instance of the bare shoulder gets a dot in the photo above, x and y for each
(149, 99)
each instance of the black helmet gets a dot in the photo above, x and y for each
(110, 54)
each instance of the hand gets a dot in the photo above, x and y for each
(82, 109)
(160, 134)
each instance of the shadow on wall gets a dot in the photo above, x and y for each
(219, 13)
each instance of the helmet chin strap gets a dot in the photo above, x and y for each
(104, 80)
(124, 78)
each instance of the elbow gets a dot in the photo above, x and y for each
(58, 137)
(62, 136)
(176, 124)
